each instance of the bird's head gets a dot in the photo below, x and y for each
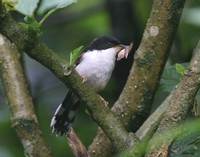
(107, 42)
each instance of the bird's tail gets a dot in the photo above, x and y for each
(65, 114)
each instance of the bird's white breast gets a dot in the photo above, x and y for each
(97, 67)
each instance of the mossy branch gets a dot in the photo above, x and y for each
(179, 104)
(165, 124)
(25, 40)
(23, 116)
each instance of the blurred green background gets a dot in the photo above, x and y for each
(77, 25)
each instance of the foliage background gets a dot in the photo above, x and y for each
(77, 25)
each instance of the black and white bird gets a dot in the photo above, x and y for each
(95, 65)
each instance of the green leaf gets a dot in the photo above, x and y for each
(180, 69)
(170, 78)
(74, 55)
(54, 6)
(26, 7)
(46, 5)
(9, 4)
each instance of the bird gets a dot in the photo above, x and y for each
(95, 65)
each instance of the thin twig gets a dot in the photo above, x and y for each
(76, 145)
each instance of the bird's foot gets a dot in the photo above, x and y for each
(104, 101)
(84, 79)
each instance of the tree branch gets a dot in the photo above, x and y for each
(168, 117)
(76, 145)
(23, 116)
(149, 61)
(180, 104)
(25, 41)
(134, 103)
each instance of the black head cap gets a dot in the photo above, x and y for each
(103, 43)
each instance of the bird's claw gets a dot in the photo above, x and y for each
(104, 101)
(84, 79)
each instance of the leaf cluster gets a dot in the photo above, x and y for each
(31, 7)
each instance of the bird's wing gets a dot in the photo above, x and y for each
(66, 111)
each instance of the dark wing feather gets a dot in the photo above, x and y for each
(66, 111)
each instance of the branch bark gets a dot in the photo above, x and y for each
(76, 145)
(25, 41)
(23, 118)
(134, 103)
(179, 105)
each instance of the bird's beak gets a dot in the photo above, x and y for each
(123, 50)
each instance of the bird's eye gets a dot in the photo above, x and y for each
(109, 43)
